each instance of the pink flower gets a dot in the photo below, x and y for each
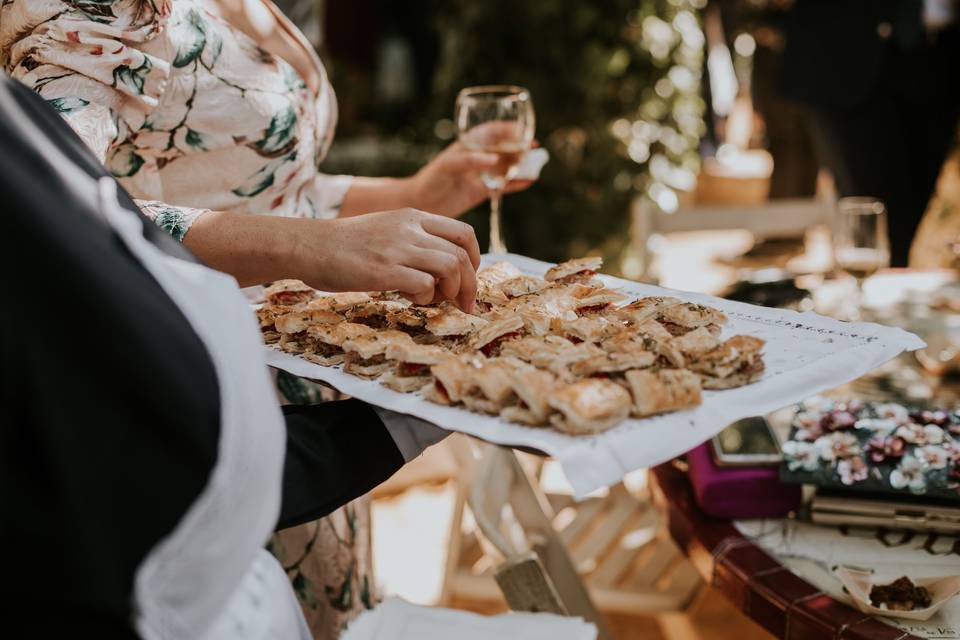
(837, 421)
(909, 475)
(800, 455)
(891, 411)
(939, 418)
(915, 434)
(932, 456)
(852, 470)
(879, 448)
(837, 446)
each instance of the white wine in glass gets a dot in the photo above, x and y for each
(860, 243)
(496, 119)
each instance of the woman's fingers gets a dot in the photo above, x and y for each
(442, 265)
(459, 233)
(461, 160)
(466, 297)
(413, 284)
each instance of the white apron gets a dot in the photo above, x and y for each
(211, 578)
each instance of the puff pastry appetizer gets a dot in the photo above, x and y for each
(589, 406)
(562, 351)
(661, 391)
(580, 270)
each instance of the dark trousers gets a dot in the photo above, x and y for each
(892, 146)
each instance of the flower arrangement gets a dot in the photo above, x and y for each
(878, 447)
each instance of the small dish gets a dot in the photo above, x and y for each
(859, 583)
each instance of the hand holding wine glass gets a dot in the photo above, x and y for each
(496, 119)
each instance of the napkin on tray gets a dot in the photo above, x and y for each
(396, 619)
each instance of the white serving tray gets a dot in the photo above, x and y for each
(805, 354)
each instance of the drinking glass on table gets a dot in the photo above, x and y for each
(496, 119)
(860, 243)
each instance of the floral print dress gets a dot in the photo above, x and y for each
(185, 110)
(191, 115)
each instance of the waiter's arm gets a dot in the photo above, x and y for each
(337, 451)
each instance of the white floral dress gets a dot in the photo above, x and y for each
(187, 111)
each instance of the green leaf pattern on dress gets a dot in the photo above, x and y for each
(171, 220)
(68, 104)
(196, 39)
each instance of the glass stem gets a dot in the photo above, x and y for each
(496, 236)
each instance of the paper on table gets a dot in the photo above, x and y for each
(396, 619)
(805, 354)
(814, 552)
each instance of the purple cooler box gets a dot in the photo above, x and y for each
(739, 492)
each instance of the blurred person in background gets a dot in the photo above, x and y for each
(879, 78)
(786, 124)
(204, 109)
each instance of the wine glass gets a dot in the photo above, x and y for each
(860, 243)
(496, 119)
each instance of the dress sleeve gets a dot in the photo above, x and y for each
(326, 194)
(105, 87)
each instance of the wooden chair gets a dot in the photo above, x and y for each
(548, 553)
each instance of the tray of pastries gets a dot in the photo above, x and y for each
(556, 357)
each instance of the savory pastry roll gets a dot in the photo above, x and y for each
(500, 327)
(589, 406)
(682, 318)
(326, 340)
(734, 363)
(589, 328)
(649, 308)
(588, 300)
(364, 354)
(664, 390)
(298, 321)
(538, 312)
(450, 322)
(289, 292)
(496, 273)
(267, 315)
(374, 312)
(292, 327)
(489, 297)
(413, 362)
(531, 387)
(341, 302)
(520, 286)
(580, 270)
(490, 388)
(563, 362)
(696, 343)
(537, 350)
(453, 378)
(611, 364)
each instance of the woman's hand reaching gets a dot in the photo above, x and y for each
(426, 257)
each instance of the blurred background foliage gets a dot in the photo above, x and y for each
(616, 86)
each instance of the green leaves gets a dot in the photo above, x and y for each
(303, 587)
(196, 140)
(68, 104)
(279, 136)
(172, 221)
(97, 10)
(132, 78)
(124, 161)
(195, 39)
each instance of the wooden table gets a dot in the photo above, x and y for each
(754, 581)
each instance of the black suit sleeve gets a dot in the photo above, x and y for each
(336, 451)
